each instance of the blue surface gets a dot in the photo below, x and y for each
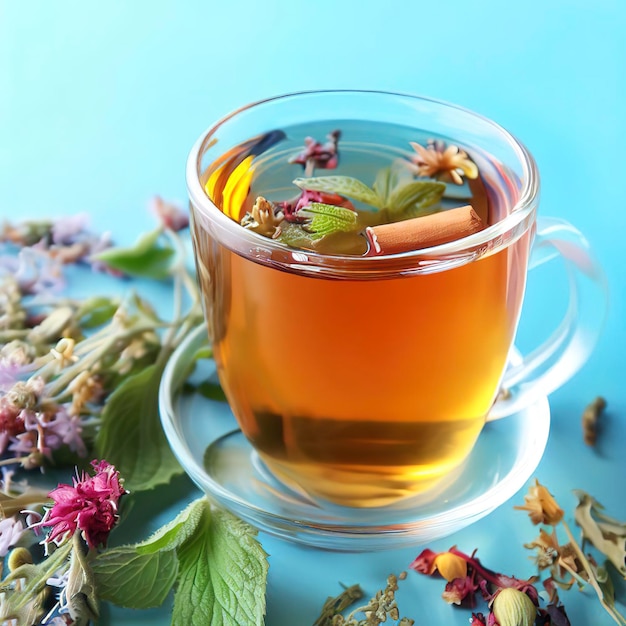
(100, 103)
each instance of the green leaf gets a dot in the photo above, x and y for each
(388, 178)
(327, 219)
(96, 311)
(131, 436)
(417, 196)
(136, 581)
(146, 259)
(223, 571)
(294, 235)
(342, 185)
(176, 532)
(211, 391)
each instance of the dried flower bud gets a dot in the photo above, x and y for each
(263, 219)
(541, 506)
(514, 608)
(19, 557)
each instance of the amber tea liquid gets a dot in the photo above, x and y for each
(361, 391)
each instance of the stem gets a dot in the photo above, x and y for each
(52, 564)
(13, 461)
(612, 611)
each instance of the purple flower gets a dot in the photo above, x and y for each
(11, 530)
(67, 230)
(45, 432)
(35, 271)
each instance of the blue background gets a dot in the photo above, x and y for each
(100, 103)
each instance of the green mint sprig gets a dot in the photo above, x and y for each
(394, 194)
(211, 559)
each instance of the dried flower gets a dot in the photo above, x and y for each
(541, 506)
(90, 505)
(514, 608)
(318, 155)
(591, 416)
(264, 218)
(449, 565)
(170, 215)
(448, 164)
(11, 529)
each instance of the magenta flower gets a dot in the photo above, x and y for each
(315, 154)
(90, 505)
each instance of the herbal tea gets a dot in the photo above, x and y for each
(360, 390)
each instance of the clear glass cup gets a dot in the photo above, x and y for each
(366, 380)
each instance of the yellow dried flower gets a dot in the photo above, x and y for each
(514, 608)
(443, 163)
(541, 506)
(450, 566)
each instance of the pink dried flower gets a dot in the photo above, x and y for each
(90, 505)
(291, 207)
(322, 156)
(169, 214)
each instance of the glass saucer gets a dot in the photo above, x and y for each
(206, 440)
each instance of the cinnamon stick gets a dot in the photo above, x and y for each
(423, 232)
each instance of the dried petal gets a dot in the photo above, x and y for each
(541, 506)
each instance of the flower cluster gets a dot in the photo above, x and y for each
(45, 246)
(89, 505)
(512, 601)
(563, 565)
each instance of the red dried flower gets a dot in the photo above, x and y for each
(90, 505)
(322, 156)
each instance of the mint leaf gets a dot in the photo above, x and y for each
(327, 219)
(388, 178)
(146, 259)
(131, 437)
(132, 580)
(176, 532)
(416, 196)
(294, 235)
(342, 185)
(223, 571)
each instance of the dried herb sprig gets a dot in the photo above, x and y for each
(381, 608)
(567, 564)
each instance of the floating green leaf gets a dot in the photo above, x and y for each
(294, 235)
(147, 258)
(327, 219)
(223, 571)
(342, 185)
(131, 437)
(389, 178)
(417, 196)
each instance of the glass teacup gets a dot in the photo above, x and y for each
(366, 379)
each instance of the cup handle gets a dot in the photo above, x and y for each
(555, 361)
